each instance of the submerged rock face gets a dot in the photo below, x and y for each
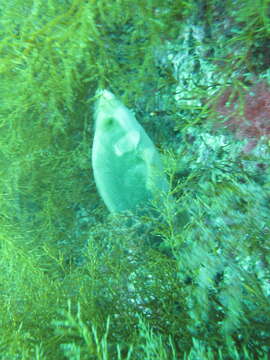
(127, 168)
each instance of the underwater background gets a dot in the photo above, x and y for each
(186, 280)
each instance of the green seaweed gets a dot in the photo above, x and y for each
(79, 283)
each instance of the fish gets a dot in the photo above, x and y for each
(127, 167)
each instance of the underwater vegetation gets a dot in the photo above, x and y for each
(80, 282)
(251, 120)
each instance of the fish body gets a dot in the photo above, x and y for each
(127, 167)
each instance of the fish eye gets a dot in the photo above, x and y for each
(109, 122)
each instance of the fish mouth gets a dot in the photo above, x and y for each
(106, 94)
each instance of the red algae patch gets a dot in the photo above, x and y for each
(246, 113)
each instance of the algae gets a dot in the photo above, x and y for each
(78, 283)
